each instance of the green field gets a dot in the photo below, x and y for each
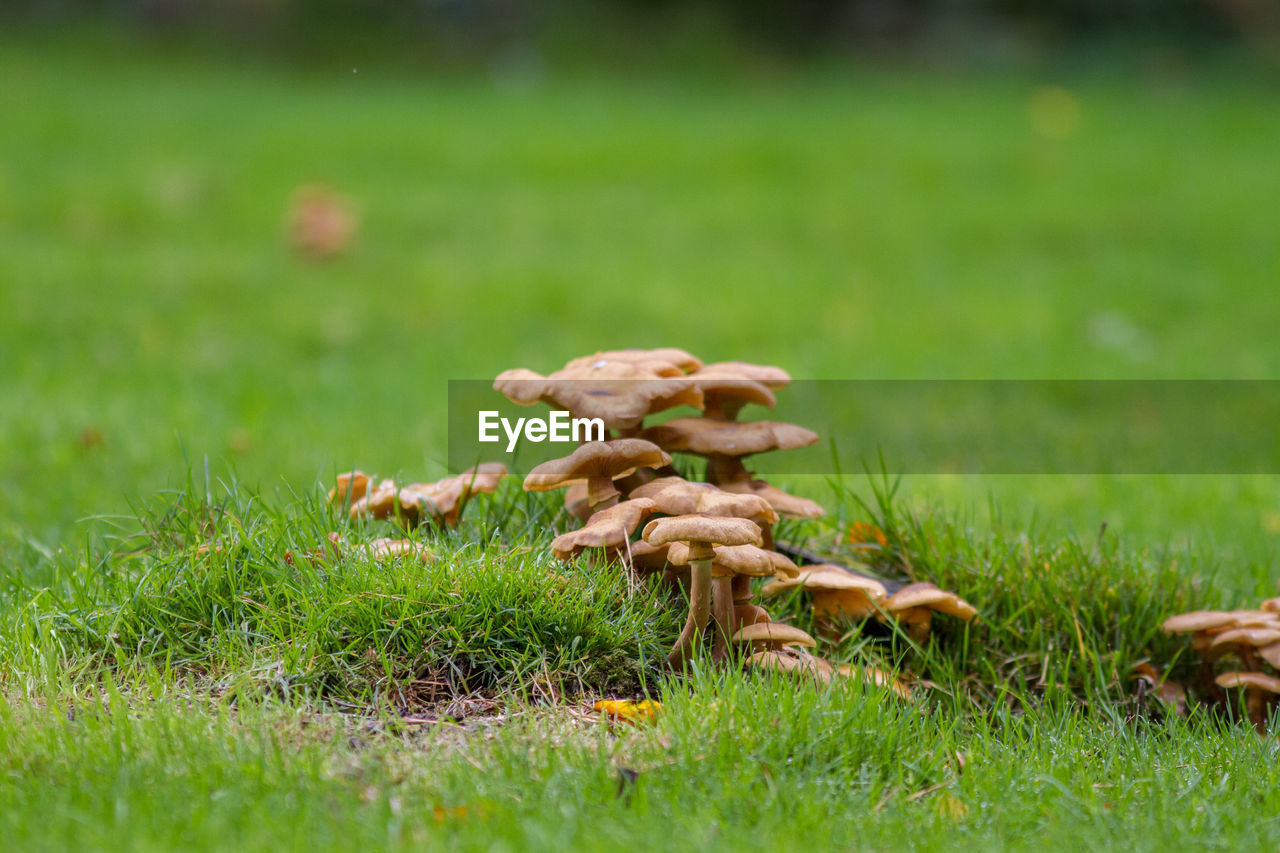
(171, 369)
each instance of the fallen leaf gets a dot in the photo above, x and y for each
(627, 711)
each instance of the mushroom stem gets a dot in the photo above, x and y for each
(722, 608)
(699, 606)
(742, 590)
(601, 494)
(725, 469)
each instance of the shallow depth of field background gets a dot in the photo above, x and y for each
(1012, 191)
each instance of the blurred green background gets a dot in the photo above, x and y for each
(849, 190)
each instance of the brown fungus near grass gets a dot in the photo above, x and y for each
(665, 361)
(877, 677)
(792, 662)
(597, 464)
(609, 529)
(768, 636)
(837, 593)
(725, 443)
(442, 501)
(701, 533)
(915, 604)
(731, 570)
(619, 393)
(1260, 691)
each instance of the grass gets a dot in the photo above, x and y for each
(160, 341)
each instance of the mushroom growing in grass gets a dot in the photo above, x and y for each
(598, 464)
(771, 636)
(877, 677)
(731, 569)
(701, 533)
(609, 529)
(794, 662)
(725, 443)
(443, 500)
(836, 592)
(1260, 691)
(915, 604)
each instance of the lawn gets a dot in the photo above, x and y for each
(172, 370)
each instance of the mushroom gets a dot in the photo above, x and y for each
(878, 677)
(443, 500)
(729, 385)
(1259, 690)
(787, 505)
(386, 549)
(702, 533)
(792, 661)
(916, 603)
(731, 570)
(609, 529)
(598, 464)
(836, 592)
(770, 636)
(619, 393)
(725, 443)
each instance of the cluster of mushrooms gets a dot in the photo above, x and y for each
(1249, 637)
(712, 537)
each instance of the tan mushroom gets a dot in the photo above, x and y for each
(792, 661)
(786, 505)
(1259, 690)
(731, 571)
(725, 443)
(915, 604)
(766, 636)
(388, 549)
(619, 393)
(701, 533)
(610, 529)
(598, 464)
(443, 501)
(836, 592)
(877, 677)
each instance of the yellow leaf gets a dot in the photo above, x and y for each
(628, 711)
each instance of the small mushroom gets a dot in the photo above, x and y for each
(792, 661)
(353, 485)
(701, 533)
(1260, 690)
(729, 385)
(598, 464)
(731, 570)
(387, 549)
(725, 443)
(915, 604)
(836, 592)
(443, 500)
(786, 505)
(609, 529)
(878, 677)
(619, 393)
(767, 636)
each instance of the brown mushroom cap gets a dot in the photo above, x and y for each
(1271, 654)
(353, 483)
(739, 560)
(825, 576)
(927, 595)
(651, 488)
(1256, 680)
(773, 634)
(878, 677)
(792, 660)
(787, 505)
(1242, 637)
(770, 377)
(1271, 605)
(608, 528)
(652, 359)
(1197, 620)
(685, 498)
(644, 557)
(612, 459)
(445, 499)
(702, 528)
(706, 437)
(385, 549)
(620, 393)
